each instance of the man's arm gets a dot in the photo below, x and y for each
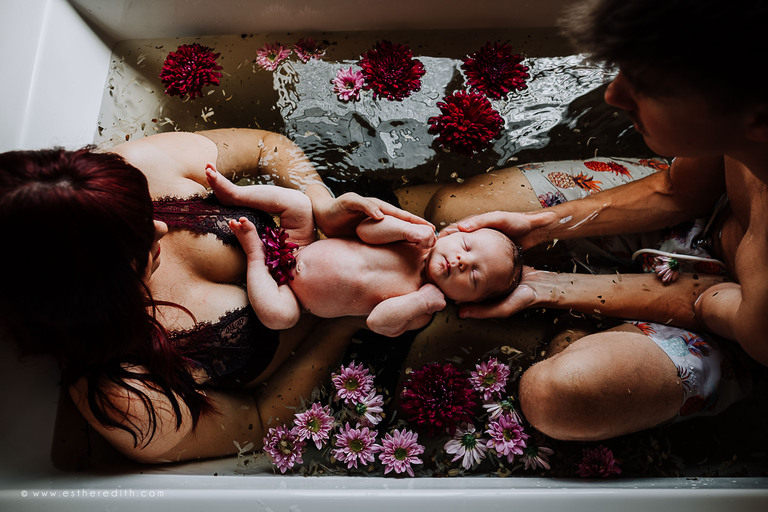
(396, 315)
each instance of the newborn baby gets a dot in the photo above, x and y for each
(397, 274)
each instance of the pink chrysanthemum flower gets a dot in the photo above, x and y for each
(348, 84)
(355, 445)
(278, 253)
(390, 71)
(190, 68)
(490, 378)
(353, 383)
(438, 397)
(271, 55)
(467, 122)
(537, 457)
(467, 446)
(284, 448)
(307, 49)
(506, 437)
(495, 71)
(667, 268)
(369, 409)
(504, 406)
(598, 462)
(399, 451)
(315, 423)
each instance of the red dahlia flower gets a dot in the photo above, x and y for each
(190, 68)
(495, 70)
(467, 122)
(390, 71)
(438, 397)
(279, 253)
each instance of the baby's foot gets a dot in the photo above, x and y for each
(249, 238)
(225, 190)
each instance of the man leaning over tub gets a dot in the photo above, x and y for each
(697, 98)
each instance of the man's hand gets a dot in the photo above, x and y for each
(529, 293)
(516, 226)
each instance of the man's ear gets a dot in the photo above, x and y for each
(757, 129)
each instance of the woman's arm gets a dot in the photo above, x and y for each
(240, 417)
(631, 296)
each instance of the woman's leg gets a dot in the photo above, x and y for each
(601, 386)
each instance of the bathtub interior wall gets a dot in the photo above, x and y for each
(59, 60)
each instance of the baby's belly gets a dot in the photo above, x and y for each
(330, 294)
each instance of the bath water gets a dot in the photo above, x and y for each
(372, 146)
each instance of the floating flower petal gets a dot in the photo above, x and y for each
(467, 122)
(495, 71)
(390, 71)
(190, 68)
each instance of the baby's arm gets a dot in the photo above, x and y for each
(293, 207)
(391, 229)
(393, 316)
(275, 305)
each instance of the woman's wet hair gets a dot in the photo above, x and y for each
(678, 46)
(79, 228)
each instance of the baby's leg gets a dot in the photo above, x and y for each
(249, 239)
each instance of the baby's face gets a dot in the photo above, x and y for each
(469, 267)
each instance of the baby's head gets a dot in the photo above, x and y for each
(474, 266)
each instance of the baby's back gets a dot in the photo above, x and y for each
(345, 277)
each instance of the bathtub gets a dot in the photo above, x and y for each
(59, 53)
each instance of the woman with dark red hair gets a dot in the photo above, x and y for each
(121, 265)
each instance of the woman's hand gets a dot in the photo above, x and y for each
(516, 226)
(340, 216)
(536, 288)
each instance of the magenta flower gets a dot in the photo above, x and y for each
(490, 378)
(315, 423)
(190, 68)
(399, 451)
(438, 397)
(369, 409)
(495, 71)
(355, 445)
(283, 447)
(278, 253)
(348, 84)
(467, 122)
(667, 268)
(352, 383)
(390, 71)
(535, 458)
(506, 437)
(467, 446)
(271, 55)
(598, 462)
(307, 49)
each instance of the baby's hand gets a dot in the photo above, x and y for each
(249, 239)
(420, 234)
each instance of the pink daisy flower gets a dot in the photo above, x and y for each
(369, 409)
(537, 457)
(496, 408)
(283, 447)
(598, 462)
(307, 49)
(315, 423)
(271, 55)
(355, 445)
(506, 437)
(399, 451)
(352, 383)
(466, 445)
(667, 268)
(490, 378)
(348, 84)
